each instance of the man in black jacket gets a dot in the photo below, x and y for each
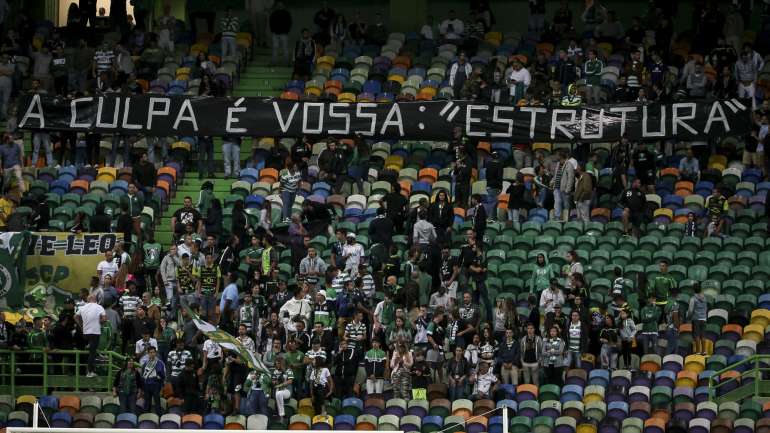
(494, 182)
(347, 360)
(479, 217)
(396, 207)
(188, 387)
(280, 26)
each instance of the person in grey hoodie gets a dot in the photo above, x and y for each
(697, 312)
(168, 275)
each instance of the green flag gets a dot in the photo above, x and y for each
(13, 251)
(228, 342)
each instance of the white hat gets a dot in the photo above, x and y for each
(322, 293)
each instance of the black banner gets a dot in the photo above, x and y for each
(422, 120)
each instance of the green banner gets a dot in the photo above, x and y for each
(13, 251)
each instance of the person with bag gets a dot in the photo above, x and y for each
(627, 336)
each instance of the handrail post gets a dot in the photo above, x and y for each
(13, 373)
(77, 371)
(757, 376)
(45, 372)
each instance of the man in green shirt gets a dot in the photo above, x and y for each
(209, 276)
(186, 280)
(663, 284)
(135, 207)
(151, 261)
(672, 321)
(592, 70)
(36, 339)
(252, 254)
(650, 317)
(295, 361)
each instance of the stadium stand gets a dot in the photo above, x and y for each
(404, 285)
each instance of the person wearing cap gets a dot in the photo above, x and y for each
(354, 253)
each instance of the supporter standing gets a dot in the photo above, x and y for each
(289, 182)
(280, 26)
(633, 201)
(230, 25)
(153, 377)
(697, 312)
(584, 192)
(127, 382)
(90, 318)
(12, 155)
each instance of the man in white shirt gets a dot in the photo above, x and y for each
(519, 81)
(106, 267)
(551, 297)
(452, 27)
(143, 346)
(90, 318)
(353, 252)
(300, 306)
(211, 351)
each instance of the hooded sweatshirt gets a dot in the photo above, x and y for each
(541, 277)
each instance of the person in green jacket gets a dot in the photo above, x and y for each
(662, 285)
(650, 318)
(592, 71)
(151, 261)
(541, 275)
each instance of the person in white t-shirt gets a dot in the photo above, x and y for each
(212, 351)
(353, 252)
(143, 346)
(90, 317)
(484, 382)
(106, 267)
(452, 27)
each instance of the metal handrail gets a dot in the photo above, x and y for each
(755, 371)
(36, 369)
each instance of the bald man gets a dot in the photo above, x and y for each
(90, 317)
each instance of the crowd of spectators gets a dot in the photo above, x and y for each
(345, 326)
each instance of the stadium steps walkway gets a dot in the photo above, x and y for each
(257, 80)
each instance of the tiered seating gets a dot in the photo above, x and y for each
(69, 191)
(405, 68)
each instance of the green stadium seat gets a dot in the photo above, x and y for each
(552, 228)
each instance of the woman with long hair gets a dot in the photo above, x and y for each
(399, 333)
(553, 357)
(213, 221)
(401, 371)
(441, 215)
(322, 384)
